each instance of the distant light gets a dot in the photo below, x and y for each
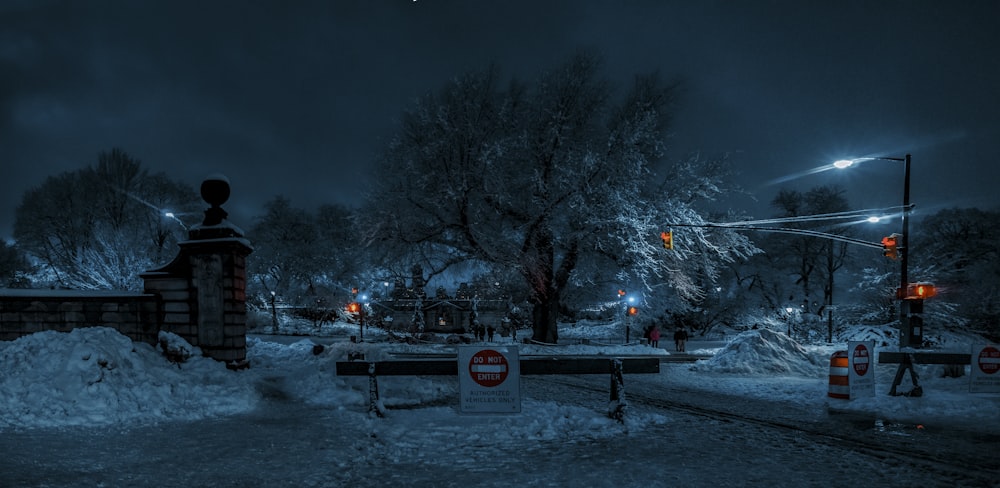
(169, 215)
(631, 299)
(873, 220)
(789, 309)
(843, 163)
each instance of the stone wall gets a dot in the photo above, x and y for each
(200, 295)
(23, 312)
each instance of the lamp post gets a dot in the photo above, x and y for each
(904, 249)
(274, 311)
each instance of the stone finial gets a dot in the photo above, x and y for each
(215, 192)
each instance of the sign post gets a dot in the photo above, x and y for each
(489, 379)
(985, 370)
(861, 368)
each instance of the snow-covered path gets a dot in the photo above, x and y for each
(285, 442)
(90, 408)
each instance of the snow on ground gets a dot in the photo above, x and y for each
(95, 376)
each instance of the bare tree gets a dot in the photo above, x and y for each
(298, 252)
(550, 179)
(93, 227)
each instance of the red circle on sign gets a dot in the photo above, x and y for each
(989, 360)
(488, 368)
(861, 359)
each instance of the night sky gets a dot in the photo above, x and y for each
(296, 98)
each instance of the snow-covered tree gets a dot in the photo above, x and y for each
(14, 267)
(552, 179)
(812, 261)
(959, 250)
(300, 253)
(92, 227)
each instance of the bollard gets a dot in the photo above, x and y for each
(839, 386)
(374, 402)
(617, 404)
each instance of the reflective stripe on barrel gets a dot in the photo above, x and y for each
(838, 376)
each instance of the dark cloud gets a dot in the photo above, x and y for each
(297, 98)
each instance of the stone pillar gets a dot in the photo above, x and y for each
(203, 290)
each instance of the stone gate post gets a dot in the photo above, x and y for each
(203, 290)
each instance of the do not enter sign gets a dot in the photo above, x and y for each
(985, 365)
(861, 359)
(989, 360)
(488, 368)
(489, 379)
(861, 369)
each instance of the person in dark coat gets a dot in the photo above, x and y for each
(680, 339)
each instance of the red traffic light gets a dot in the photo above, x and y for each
(668, 239)
(889, 247)
(920, 290)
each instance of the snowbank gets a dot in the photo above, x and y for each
(766, 352)
(96, 376)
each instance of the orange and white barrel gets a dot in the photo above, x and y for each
(839, 386)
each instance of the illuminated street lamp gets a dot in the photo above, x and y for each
(903, 247)
(171, 215)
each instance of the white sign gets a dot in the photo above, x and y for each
(985, 370)
(861, 368)
(489, 379)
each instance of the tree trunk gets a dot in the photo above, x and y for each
(540, 273)
(543, 319)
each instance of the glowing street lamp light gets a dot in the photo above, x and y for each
(171, 215)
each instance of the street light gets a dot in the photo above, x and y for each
(904, 246)
(171, 215)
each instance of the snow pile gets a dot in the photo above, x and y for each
(764, 352)
(96, 376)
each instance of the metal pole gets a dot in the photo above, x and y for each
(904, 319)
(829, 294)
(903, 277)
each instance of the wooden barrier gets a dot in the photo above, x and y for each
(906, 360)
(614, 367)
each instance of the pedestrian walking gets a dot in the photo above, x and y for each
(680, 339)
(654, 336)
(490, 331)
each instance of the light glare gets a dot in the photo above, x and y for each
(843, 163)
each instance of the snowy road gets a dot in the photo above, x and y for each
(687, 438)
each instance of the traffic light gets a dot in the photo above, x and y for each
(889, 248)
(668, 239)
(633, 311)
(920, 290)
